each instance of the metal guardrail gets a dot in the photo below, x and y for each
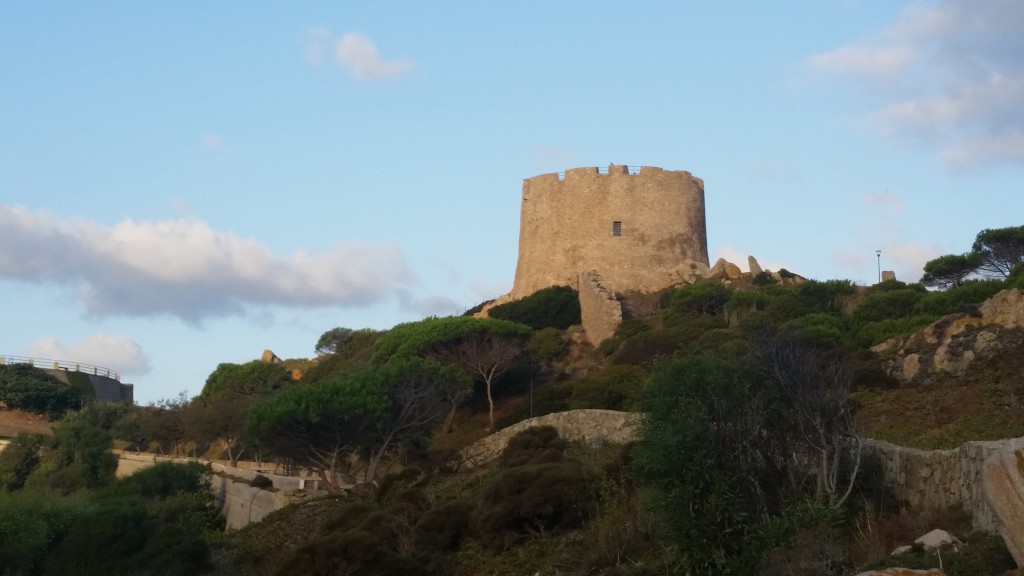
(49, 364)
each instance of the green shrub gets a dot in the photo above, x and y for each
(646, 346)
(868, 372)
(546, 345)
(535, 445)
(261, 481)
(25, 387)
(396, 486)
(347, 516)
(19, 459)
(548, 398)
(819, 328)
(873, 333)
(554, 307)
(29, 525)
(887, 305)
(614, 388)
(1016, 277)
(626, 330)
(530, 500)
(941, 303)
(166, 479)
(702, 298)
(825, 296)
(353, 553)
(441, 529)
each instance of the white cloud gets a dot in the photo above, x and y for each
(880, 229)
(118, 353)
(185, 268)
(865, 60)
(948, 73)
(774, 173)
(885, 200)
(210, 142)
(360, 57)
(316, 45)
(740, 259)
(489, 290)
(429, 306)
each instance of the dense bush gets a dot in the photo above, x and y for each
(546, 345)
(530, 500)
(888, 304)
(702, 298)
(873, 333)
(348, 359)
(818, 327)
(354, 553)
(536, 445)
(25, 387)
(955, 299)
(712, 451)
(615, 388)
(554, 307)
(547, 398)
(158, 519)
(19, 459)
(29, 525)
(645, 346)
(165, 479)
(441, 529)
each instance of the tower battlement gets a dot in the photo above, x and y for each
(632, 226)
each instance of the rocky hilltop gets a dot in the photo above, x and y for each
(951, 345)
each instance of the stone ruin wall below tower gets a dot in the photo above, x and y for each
(567, 227)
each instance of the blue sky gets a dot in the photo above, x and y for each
(189, 183)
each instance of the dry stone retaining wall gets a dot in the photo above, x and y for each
(922, 479)
(591, 425)
(939, 479)
(600, 311)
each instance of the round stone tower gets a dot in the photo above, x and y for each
(634, 228)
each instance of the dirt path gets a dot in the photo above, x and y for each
(13, 422)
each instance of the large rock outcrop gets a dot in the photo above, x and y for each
(1003, 480)
(949, 346)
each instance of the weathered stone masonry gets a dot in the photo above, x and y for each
(633, 229)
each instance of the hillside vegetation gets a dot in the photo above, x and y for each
(753, 393)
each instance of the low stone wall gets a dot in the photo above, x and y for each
(240, 502)
(591, 425)
(600, 312)
(939, 479)
(924, 480)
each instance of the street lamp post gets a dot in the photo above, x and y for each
(878, 253)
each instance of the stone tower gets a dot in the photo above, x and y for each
(634, 229)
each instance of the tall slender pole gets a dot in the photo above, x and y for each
(878, 253)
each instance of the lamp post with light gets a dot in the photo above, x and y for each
(878, 253)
